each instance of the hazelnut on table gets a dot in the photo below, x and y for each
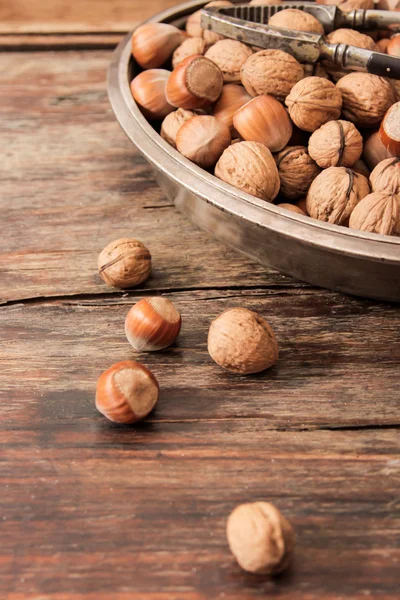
(152, 324)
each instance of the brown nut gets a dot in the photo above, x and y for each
(153, 44)
(334, 194)
(148, 90)
(126, 392)
(292, 208)
(336, 144)
(202, 139)
(229, 55)
(360, 167)
(172, 123)
(250, 167)
(393, 47)
(349, 5)
(124, 263)
(189, 47)
(377, 213)
(314, 101)
(271, 72)
(194, 28)
(152, 324)
(292, 18)
(366, 98)
(351, 37)
(297, 171)
(374, 150)
(315, 70)
(389, 130)
(242, 342)
(231, 99)
(265, 120)
(386, 176)
(261, 539)
(302, 204)
(195, 83)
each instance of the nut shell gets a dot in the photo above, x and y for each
(386, 176)
(126, 392)
(271, 72)
(334, 194)
(366, 98)
(229, 55)
(231, 99)
(377, 213)
(195, 83)
(389, 130)
(314, 101)
(336, 144)
(261, 539)
(292, 208)
(189, 47)
(292, 18)
(242, 342)
(297, 171)
(202, 139)
(124, 263)
(172, 123)
(153, 44)
(148, 90)
(152, 324)
(250, 167)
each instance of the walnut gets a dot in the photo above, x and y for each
(351, 37)
(194, 28)
(192, 45)
(271, 72)
(334, 194)
(312, 102)
(172, 123)
(377, 213)
(349, 5)
(292, 18)
(336, 144)
(250, 167)
(296, 171)
(386, 176)
(366, 98)
(229, 55)
(260, 538)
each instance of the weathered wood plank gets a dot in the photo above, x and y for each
(58, 16)
(339, 359)
(71, 182)
(71, 41)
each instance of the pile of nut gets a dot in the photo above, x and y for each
(315, 140)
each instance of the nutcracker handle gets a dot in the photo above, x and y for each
(358, 59)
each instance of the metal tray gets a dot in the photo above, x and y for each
(322, 254)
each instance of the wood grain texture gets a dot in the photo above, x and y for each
(92, 511)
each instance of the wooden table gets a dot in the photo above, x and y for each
(95, 511)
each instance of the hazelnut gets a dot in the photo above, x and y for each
(193, 24)
(366, 98)
(292, 208)
(334, 194)
(378, 212)
(229, 55)
(374, 150)
(271, 72)
(261, 539)
(336, 144)
(231, 99)
(126, 392)
(250, 167)
(202, 139)
(292, 18)
(195, 83)
(189, 47)
(124, 263)
(389, 130)
(351, 37)
(241, 341)
(386, 176)
(297, 171)
(152, 324)
(382, 45)
(360, 167)
(153, 44)
(172, 123)
(313, 101)
(148, 91)
(265, 120)
(393, 47)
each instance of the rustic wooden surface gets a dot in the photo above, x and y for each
(94, 511)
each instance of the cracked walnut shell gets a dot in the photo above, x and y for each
(366, 98)
(297, 171)
(250, 167)
(377, 213)
(230, 56)
(336, 144)
(314, 101)
(261, 539)
(334, 194)
(386, 176)
(272, 72)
